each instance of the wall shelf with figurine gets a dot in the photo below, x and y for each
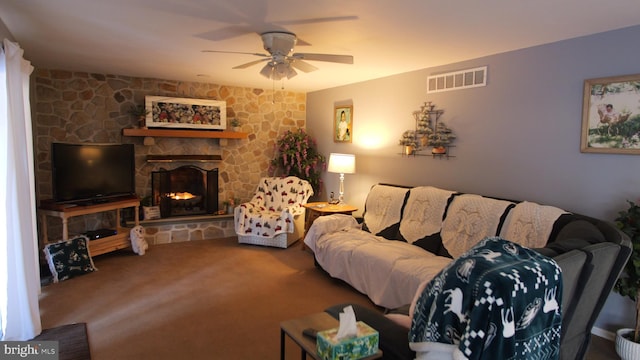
(429, 134)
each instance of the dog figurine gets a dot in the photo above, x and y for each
(138, 243)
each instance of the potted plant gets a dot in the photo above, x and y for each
(440, 138)
(140, 113)
(226, 206)
(409, 142)
(627, 340)
(297, 155)
(423, 127)
(229, 205)
(235, 124)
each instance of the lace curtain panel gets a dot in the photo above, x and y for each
(19, 270)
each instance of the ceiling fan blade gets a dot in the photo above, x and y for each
(303, 66)
(225, 33)
(316, 20)
(244, 66)
(237, 52)
(342, 59)
(301, 42)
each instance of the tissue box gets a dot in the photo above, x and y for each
(365, 344)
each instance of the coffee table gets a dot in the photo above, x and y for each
(319, 321)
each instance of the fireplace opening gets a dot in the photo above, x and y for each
(186, 190)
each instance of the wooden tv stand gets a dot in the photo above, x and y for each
(98, 246)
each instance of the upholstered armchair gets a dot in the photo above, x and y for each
(275, 215)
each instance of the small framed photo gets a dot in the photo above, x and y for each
(611, 115)
(151, 212)
(182, 113)
(343, 124)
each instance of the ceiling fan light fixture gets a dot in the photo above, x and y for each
(267, 71)
(291, 72)
(278, 71)
(284, 69)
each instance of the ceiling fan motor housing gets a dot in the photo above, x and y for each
(278, 43)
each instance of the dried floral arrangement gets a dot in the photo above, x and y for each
(297, 155)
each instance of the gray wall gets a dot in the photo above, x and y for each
(518, 137)
(4, 32)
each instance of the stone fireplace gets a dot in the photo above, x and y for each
(185, 191)
(92, 107)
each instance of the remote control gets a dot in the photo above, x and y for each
(312, 333)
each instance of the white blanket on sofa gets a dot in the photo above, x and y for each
(423, 212)
(383, 208)
(471, 218)
(530, 224)
(389, 272)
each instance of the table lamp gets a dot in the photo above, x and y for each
(342, 164)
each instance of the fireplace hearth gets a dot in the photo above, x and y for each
(185, 191)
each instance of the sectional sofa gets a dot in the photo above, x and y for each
(408, 234)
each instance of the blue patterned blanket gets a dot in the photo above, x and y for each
(498, 300)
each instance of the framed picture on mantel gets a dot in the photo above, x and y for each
(184, 113)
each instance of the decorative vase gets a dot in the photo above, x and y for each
(409, 149)
(439, 150)
(142, 121)
(424, 141)
(236, 128)
(626, 348)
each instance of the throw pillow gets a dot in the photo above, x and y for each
(70, 258)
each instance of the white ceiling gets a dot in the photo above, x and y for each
(165, 38)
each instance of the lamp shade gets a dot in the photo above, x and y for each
(342, 163)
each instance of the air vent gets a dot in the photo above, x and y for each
(457, 80)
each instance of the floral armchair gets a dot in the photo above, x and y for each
(275, 215)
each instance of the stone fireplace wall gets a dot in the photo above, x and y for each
(86, 107)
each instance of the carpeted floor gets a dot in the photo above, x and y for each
(72, 341)
(209, 299)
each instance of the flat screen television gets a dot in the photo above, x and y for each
(92, 173)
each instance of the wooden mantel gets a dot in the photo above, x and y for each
(203, 134)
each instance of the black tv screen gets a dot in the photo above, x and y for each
(92, 172)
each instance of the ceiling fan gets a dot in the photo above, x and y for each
(281, 61)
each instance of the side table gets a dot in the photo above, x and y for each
(319, 321)
(317, 209)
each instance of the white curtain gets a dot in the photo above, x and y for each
(19, 269)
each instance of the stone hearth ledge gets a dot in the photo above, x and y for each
(187, 228)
